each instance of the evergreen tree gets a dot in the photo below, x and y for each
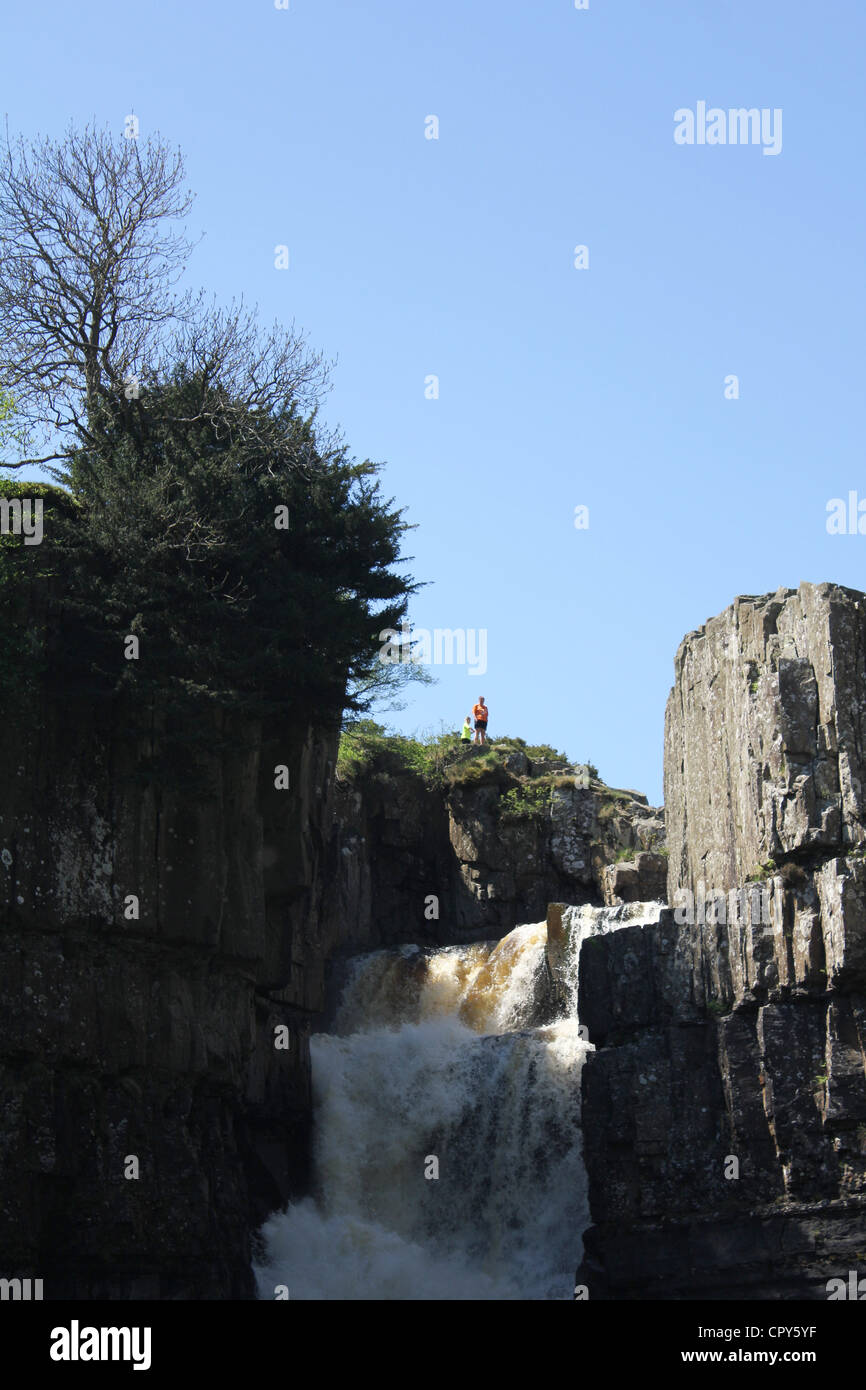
(254, 581)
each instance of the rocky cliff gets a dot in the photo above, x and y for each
(724, 1111)
(153, 938)
(764, 736)
(165, 931)
(493, 845)
(164, 941)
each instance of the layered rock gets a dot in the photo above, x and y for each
(397, 843)
(162, 926)
(388, 854)
(724, 1111)
(152, 939)
(765, 733)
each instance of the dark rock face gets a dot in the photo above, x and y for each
(642, 879)
(724, 1109)
(388, 854)
(679, 1088)
(724, 1112)
(153, 1037)
(397, 843)
(158, 928)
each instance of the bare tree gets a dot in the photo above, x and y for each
(91, 254)
(244, 374)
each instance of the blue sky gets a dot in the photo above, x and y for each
(455, 257)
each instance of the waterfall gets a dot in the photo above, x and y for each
(447, 1146)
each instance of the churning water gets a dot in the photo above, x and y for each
(439, 1059)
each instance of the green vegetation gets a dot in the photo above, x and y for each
(175, 542)
(203, 510)
(210, 550)
(475, 769)
(609, 806)
(529, 801)
(762, 871)
(367, 748)
(535, 752)
(443, 760)
(9, 433)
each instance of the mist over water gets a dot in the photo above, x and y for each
(447, 1053)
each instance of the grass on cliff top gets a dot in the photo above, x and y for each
(366, 749)
(615, 799)
(442, 760)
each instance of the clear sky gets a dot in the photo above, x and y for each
(558, 386)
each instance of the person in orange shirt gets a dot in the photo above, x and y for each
(480, 711)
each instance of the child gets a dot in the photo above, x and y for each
(466, 731)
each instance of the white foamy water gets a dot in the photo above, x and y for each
(441, 1054)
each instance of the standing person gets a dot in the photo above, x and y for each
(481, 712)
(466, 731)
